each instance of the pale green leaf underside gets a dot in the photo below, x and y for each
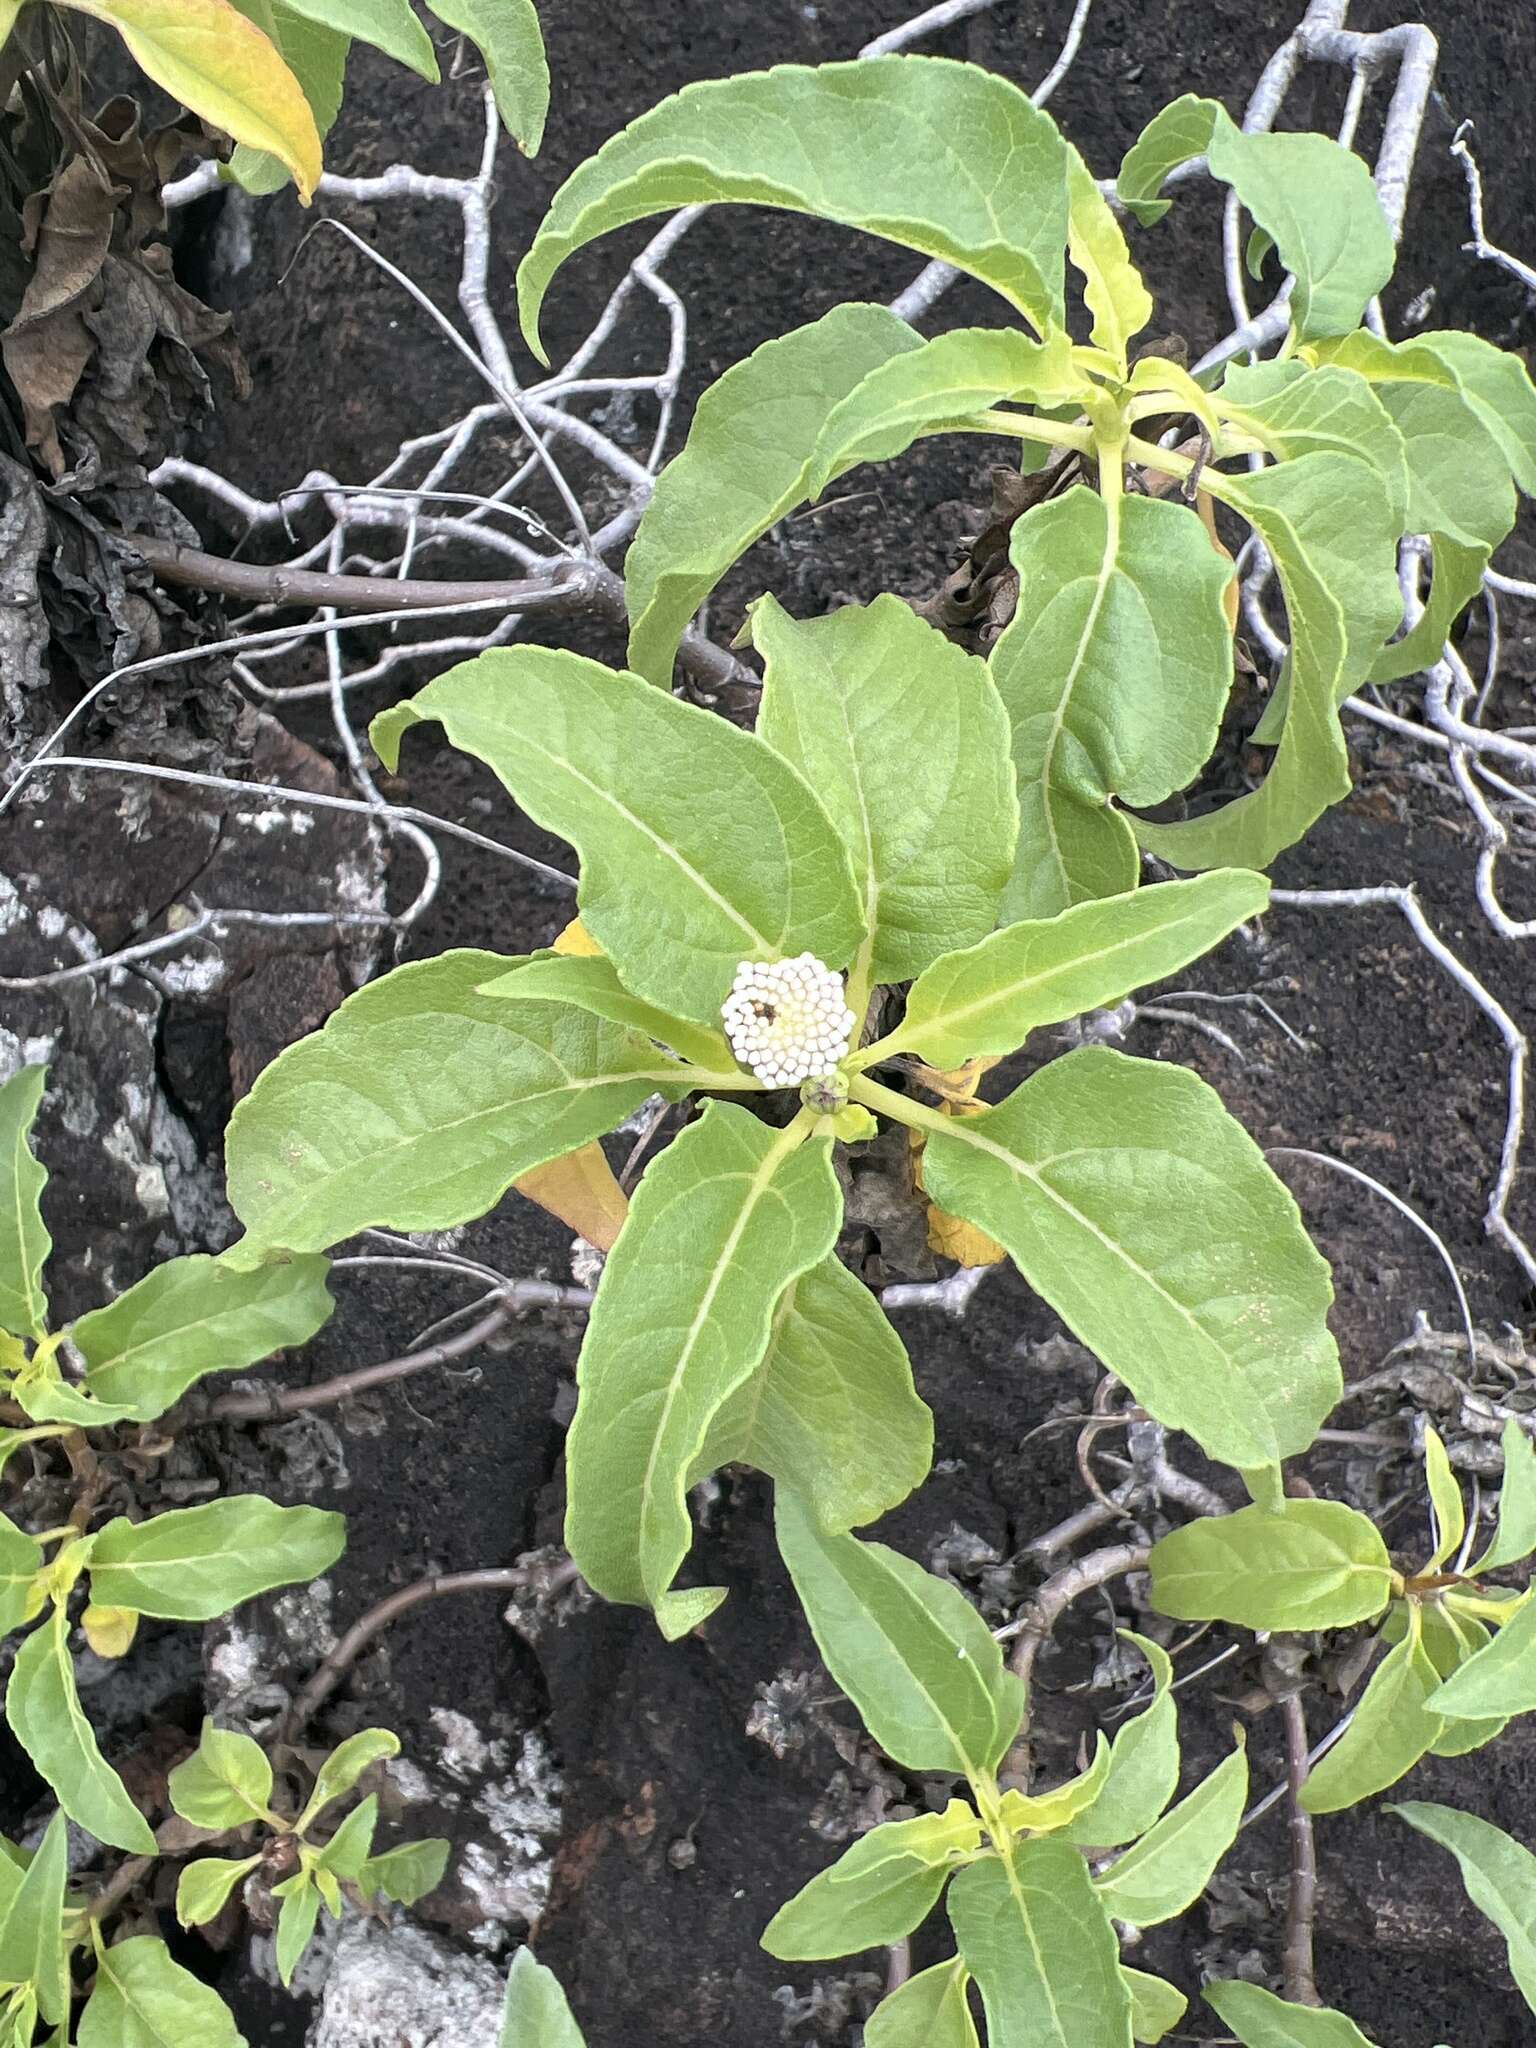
(1114, 673)
(745, 464)
(1118, 301)
(944, 158)
(905, 741)
(928, 2011)
(1042, 1950)
(537, 2014)
(507, 35)
(24, 1240)
(909, 1650)
(988, 998)
(1166, 1871)
(32, 1949)
(699, 846)
(1499, 1874)
(1313, 1564)
(1500, 1679)
(389, 25)
(20, 1559)
(1328, 410)
(420, 1103)
(192, 1316)
(1147, 1217)
(1143, 1767)
(1515, 1536)
(317, 57)
(194, 1564)
(1261, 2020)
(1156, 2006)
(1393, 1727)
(43, 1708)
(721, 1224)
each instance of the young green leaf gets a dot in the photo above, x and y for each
(1146, 1216)
(317, 57)
(745, 464)
(1167, 1870)
(1105, 701)
(203, 1888)
(909, 1650)
(904, 739)
(1450, 1511)
(928, 2011)
(295, 1920)
(1156, 2006)
(831, 1411)
(679, 883)
(988, 998)
(1515, 1536)
(537, 2014)
(24, 1240)
(207, 55)
(1326, 522)
(506, 33)
(729, 1215)
(50, 1399)
(1497, 385)
(986, 190)
(1500, 1680)
(345, 1856)
(1041, 1948)
(1317, 200)
(1453, 1640)
(1393, 1727)
(20, 1562)
(1045, 1812)
(591, 982)
(225, 1782)
(1499, 1874)
(344, 1766)
(43, 1708)
(193, 1316)
(1328, 410)
(878, 1890)
(1119, 302)
(389, 25)
(1260, 2020)
(1143, 1766)
(940, 385)
(32, 1945)
(1313, 1564)
(407, 1872)
(194, 1564)
(420, 1103)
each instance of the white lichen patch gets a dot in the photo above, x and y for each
(396, 1986)
(788, 1020)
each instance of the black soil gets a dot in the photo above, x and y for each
(682, 1832)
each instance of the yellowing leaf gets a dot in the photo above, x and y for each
(207, 55)
(110, 1630)
(582, 1190)
(578, 940)
(951, 1236)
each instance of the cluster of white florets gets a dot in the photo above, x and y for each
(788, 1020)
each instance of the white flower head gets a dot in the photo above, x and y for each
(788, 1020)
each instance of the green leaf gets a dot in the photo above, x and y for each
(1499, 1680)
(24, 1240)
(1046, 1812)
(722, 1222)
(944, 158)
(225, 1782)
(938, 385)
(345, 1856)
(537, 2014)
(1316, 200)
(1042, 1950)
(203, 1888)
(344, 1766)
(700, 847)
(745, 464)
(878, 1890)
(831, 1411)
(1312, 1564)
(506, 33)
(317, 57)
(194, 1564)
(1114, 672)
(407, 1872)
(1453, 1640)
(20, 1562)
(1119, 302)
(43, 1708)
(1515, 1537)
(1329, 410)
(1497, 385)
(389, 25)
(1450, 1510)
(1166, 1871)
(988, 998)
(33, 1949)
(1499, 1874)
(54, 1399)
(905, 741)
(1325, 519)
(1156, 2006)
(1260, 2020)
(420, 1103)
(591, 982)
(193, 1316)
(1148, 1219)
(1143, 1766)
(295, 1921)
(1393, 1727)
(928, 2011)
(909, 1650)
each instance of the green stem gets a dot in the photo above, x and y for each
(735, 1079)
(901, 1107)
(1027, 426)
